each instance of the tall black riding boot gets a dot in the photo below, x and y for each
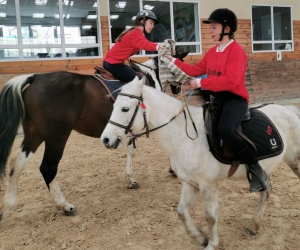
(258, 178)
(258, 175)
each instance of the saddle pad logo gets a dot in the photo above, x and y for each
(273, 143)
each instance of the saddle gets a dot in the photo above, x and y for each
(110, 82)
(256, 129)
(105, 74)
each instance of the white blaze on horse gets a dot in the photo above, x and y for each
(139, 106)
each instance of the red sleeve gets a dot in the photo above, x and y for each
(192, 70)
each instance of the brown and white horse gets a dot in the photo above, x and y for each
(49, 106)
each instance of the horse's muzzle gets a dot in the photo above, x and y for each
(109, 145)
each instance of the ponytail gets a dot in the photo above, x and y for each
(118, 39)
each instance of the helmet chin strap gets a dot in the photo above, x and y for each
(223, 34)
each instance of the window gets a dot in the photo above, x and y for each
(271, 28)
(177, 20)
(44, 29)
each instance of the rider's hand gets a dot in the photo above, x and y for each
(169, 57)
(195, 83)
(161, 46)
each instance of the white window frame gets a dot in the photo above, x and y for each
(273, 41)
(20, 46)
(172, 26)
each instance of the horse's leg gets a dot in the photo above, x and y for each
(210, 200)
(188, 197)
(132, 183)
(264, 196)
(54, 147)
(16, 166)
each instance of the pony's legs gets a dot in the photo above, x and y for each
(16, 167)
(54, 147)
(264, 196)
(132, 183)
(210, 201)
(188, 197)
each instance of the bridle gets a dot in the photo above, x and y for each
(143, 106)
(128, 127)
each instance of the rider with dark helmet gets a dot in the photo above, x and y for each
(225, 66)
(128, 43)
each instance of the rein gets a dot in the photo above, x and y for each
(141, 64)
(184, 103)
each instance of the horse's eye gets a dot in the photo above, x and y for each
(125, 109)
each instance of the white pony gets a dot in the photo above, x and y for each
(192, 161)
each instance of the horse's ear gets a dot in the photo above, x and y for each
(182, 55)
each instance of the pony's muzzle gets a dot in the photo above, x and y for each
(107, 143)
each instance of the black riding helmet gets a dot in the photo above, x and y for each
(145, 14)
(225, 17)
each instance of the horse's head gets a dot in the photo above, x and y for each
(126, 116)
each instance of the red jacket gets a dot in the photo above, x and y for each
(225, 70)
(129, 45)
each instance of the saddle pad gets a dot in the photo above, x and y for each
(263, 133)
(111, 86)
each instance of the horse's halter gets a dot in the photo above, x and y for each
(128, 127)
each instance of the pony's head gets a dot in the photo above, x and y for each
(128, 114)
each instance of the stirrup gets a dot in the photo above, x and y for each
(263, 186)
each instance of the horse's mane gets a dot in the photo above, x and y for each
(150, 79)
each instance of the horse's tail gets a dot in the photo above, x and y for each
(294, 109)
(11, 112)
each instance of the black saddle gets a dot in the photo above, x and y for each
(256, 129)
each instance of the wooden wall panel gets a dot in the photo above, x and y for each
(263, 81)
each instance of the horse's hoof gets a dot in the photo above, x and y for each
(134, 185)
(70, 212)
(205, 242)
(201, 239)
(171, 171)
(249, 232)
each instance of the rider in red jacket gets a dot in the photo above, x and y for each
(225, 66)
(129, 43)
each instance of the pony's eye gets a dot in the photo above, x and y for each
(125, 109)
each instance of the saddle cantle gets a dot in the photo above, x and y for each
(256, 129)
